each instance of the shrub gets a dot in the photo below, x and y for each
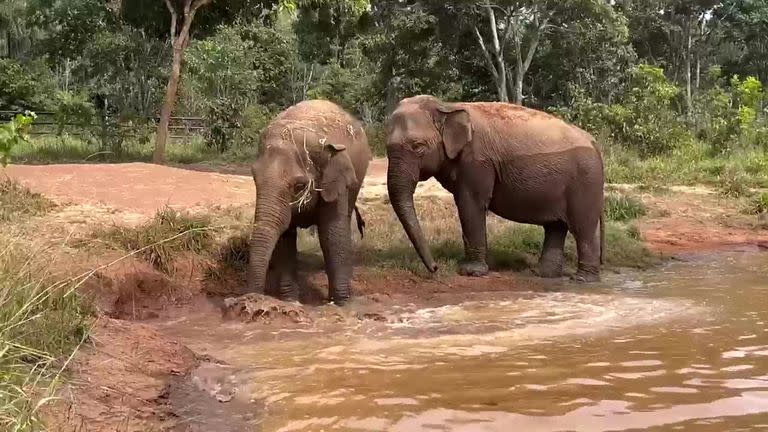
(644, 121)
(254, 119)
(24, 86)
(622, 208)
(13, 134)
(73, 109)
(223, 120)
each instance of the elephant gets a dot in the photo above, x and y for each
(522, 164)
(308, 172)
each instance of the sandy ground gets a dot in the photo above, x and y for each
(121, 380)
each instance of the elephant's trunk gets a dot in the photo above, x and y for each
(271, 219)
(401, 187)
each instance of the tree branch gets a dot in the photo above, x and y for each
(534, 45)
(486, 55)
(174, 18)
(494, 32)
(197, 4)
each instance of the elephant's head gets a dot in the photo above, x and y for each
(288, 181)
(423, 134)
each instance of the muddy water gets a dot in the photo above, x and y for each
(681, 348)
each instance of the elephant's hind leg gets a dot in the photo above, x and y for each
(551, 259)
(588, 249)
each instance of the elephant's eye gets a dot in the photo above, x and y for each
(299, 187)
(419, 147)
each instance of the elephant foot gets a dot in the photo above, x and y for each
(549, 270)
(473, 269)
(288, 292)
(340, 301)
(340, 298)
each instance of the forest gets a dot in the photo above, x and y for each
(656, 81)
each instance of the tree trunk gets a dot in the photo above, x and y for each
(519, 86)
(167, 109)
(688, 55)
(180, 43)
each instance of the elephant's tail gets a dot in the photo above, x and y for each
(602, 236)
(360, 222)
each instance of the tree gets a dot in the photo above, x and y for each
(743, 48)
(517, 21)
(672, 34)
(179, 42)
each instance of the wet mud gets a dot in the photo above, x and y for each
(681, 348)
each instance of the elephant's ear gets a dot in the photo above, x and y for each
(457, 130)
(338, 173)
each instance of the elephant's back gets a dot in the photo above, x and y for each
(531, 131)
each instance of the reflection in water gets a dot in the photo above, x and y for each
(685, 347)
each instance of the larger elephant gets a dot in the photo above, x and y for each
(310, 167)
(521, 164)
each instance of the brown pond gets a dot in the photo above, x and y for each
(684, 347)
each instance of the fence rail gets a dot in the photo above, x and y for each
(45, 124)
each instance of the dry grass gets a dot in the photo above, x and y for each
(42, 323)
(169, 234)
(18, 202)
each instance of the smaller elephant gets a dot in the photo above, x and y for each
(310, 167)
(521, 164)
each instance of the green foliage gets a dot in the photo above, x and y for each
(162, 239)
(73, 109)
(255, 119)
(42, 323)
(644, 121)
(127, 69)
(622, 207)
(18, 202)
(70, 25)
(23, 86)
(244, 64)
(13, 134)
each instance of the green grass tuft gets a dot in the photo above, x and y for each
(733, 183)
(757, 204)
(163, 238)
(621, 207)
(42, 323)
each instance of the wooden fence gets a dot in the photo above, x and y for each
(46, 124)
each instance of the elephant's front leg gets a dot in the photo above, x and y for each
(283, 267)
(336, 243)
(472, 214)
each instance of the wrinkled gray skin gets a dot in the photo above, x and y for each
(523, 165)
(313, 146)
